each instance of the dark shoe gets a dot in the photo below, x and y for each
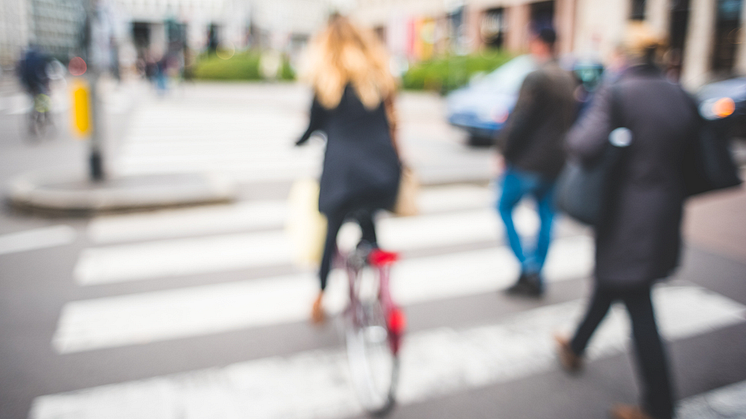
(625, 411)
(534, 287)
(519, 287)
(570, 361)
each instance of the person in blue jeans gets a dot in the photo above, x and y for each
(532, 147)
(515, 185)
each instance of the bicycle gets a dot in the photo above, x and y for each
(373, 328)
(40, 118)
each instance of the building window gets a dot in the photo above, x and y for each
(638, 10)
(493, 27)
(727, 29)
(542, 15)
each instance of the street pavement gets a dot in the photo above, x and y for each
(202, 312)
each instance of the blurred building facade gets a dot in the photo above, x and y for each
(53, 25)
(157, 25)
(135, 27)
(13, 30)
(56, 26)
(706, 35)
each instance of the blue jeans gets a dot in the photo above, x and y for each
(515, 185)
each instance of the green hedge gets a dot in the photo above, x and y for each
(242, 66)
(444, 74)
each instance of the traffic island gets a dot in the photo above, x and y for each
(74, 193)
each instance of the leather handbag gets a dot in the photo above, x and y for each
(406, 198)
(709, 164)
(409, 184)
(582, 187)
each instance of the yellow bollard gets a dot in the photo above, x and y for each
(81, 109)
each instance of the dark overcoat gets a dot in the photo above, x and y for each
(361, 167)
(638, 240)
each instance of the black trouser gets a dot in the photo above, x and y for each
(334, 223)
(657, 398)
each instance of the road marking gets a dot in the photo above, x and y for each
(727, 402)
(254, 215)
(240, 171)
(454, 198)
(188, 222)
(248, 250)
(39, 238)
(155, 316)
(433, 363)
(172, 138)
(181, 257)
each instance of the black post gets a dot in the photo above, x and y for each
(95, 159)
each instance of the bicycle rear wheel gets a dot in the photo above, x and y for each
(374, 367)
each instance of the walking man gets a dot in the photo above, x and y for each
(532, 149)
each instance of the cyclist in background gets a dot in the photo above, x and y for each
(32, 70)
(353, 105)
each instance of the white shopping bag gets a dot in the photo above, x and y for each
(305, 225)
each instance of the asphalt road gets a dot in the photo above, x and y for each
(201, 312)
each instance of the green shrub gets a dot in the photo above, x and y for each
(287, 72)
(241, 66)
(444, 74)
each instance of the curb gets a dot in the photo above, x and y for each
(72, 192)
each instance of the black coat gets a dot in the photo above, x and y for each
(361, 167)
(533, 137)
(639, 238)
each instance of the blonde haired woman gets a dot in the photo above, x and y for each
(353, 92)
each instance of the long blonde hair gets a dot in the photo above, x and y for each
(346, 54)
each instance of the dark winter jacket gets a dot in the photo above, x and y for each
(639, 238)
(361, 167)
(533, 139)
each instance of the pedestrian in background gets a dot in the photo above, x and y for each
(638, 238)
(532, 148)
(353, 93)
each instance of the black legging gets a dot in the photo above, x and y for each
(657, 397)
(334, 223)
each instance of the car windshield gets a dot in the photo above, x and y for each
(509, 77)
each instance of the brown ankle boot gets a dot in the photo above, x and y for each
(568, 359)
(317, 311)
(625, 411)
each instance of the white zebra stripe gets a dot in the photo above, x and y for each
(247, 250)
(254, 215)
(39, 238)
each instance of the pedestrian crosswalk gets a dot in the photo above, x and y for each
(456, 252)
(434, 362)
(85, 325)
(217, 139)
(260, 215)
(474, 223)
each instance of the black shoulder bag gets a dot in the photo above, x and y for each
(709, 164)
(582, 188)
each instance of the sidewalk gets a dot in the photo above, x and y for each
(74, 193)
(67, 189)
(717, 222)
